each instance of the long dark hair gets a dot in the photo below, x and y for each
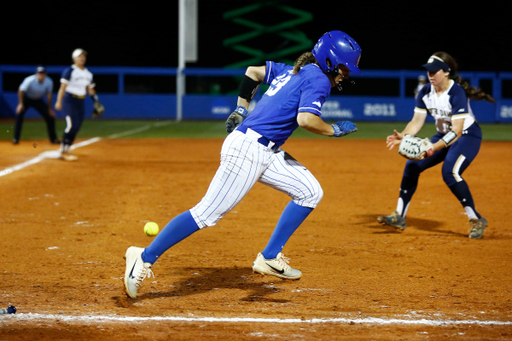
(304, 59)
(471, 91)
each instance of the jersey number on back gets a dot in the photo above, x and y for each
(278, 83)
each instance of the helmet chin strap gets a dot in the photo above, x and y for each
(345, 83)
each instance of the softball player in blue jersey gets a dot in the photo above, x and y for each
(252, 153)
(76, 82)
(456, 143)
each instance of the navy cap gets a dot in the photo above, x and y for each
(41, 69)
(435, 64)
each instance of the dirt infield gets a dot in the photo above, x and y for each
(64, 228)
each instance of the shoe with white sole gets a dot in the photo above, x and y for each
(136, 270)
(68, 157)
(276, 267)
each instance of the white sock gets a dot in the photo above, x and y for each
(470, 212)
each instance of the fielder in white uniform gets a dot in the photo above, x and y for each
(76, 82)
(252, 153)
(456, 143)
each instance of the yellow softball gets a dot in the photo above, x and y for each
(151, 229)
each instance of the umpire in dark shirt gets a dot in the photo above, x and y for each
(30, 94)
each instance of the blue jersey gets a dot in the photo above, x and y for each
(275, 115)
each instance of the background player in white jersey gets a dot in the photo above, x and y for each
(456, 143)
(252, 153)
(76, 82)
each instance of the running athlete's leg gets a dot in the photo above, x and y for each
(459, 157)
(234, 178)
(179, 228)
(291, 218)
(289, 176)
(243, 160)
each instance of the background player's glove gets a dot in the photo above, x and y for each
(342, 128)
(415, 148)
(236, 118)
(99, 109)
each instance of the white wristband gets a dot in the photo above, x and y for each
(449, 137)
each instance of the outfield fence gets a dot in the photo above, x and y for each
(150, 93)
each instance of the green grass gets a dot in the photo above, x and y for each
(36, 129)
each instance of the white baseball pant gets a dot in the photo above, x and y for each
(244, 161)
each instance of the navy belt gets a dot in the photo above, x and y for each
(262, 140)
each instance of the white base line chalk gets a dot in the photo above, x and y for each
(367, 320)
(54, 154)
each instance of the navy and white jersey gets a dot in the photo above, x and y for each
(452, 104)
(275, 116)
(77, 80)
(35, 90)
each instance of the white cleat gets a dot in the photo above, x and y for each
(136, 270)
(276, 267)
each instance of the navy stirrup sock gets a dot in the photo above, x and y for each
(179, 228)
(461, 191)
(291, 218)
(407, 188)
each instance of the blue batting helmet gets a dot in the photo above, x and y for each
(335, 48)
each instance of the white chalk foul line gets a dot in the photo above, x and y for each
(50, 154)
(139, 130)
(54, 154)
(367, 320)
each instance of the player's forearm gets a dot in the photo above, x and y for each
(415, 125)
(412, 128)
(20, 97)
(243, 102)
(314, 124)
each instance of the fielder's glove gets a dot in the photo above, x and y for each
(99, 109)
(415, 148)
(236, 118)
(342, 128)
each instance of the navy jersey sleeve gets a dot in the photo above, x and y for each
(66, 75)
(422, 93)
(458, 101)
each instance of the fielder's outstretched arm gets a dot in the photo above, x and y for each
(412, 128)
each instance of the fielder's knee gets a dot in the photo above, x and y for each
(412, 169)
(450, 178)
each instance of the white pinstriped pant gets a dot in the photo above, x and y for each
(244, 161)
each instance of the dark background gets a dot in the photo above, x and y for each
(392, 34)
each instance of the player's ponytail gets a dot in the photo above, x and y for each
(472, 92)
(304, 59)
